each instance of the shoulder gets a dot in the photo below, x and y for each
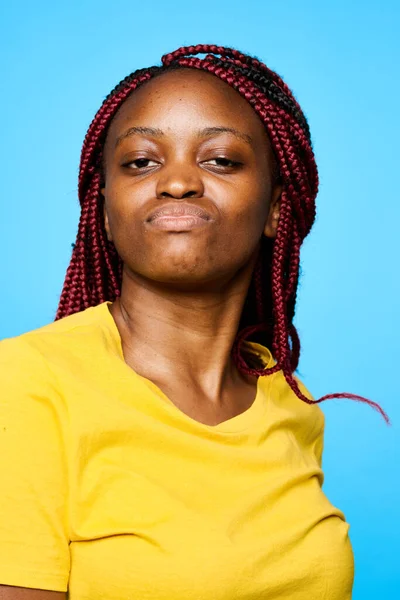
(289, 408)
(282, 395)
(36, 345)
(305, 419)
(31, 359)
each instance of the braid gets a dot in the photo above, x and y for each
(95, 271)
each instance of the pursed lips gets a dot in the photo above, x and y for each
(178, 210)
(178, 217)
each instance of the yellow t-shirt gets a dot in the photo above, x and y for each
(109, 491)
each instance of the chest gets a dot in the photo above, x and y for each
(161, 506)
(157, 513)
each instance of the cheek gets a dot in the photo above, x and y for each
(122, 205)
(246, 210)
(243, 219)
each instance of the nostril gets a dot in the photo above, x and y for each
(190, 194)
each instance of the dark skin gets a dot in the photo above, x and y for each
(184, 287)
(185, 277)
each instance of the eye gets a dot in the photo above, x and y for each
(222, 162)
(140, 163)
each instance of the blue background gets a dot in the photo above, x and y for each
(341, 60)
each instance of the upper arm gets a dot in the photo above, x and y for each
(8, 592)
(34, 536)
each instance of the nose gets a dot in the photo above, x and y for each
(180, 181)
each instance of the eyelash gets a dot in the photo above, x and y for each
(233, 163)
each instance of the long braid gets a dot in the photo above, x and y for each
(95, 271)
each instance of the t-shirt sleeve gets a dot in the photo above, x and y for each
(317, 425)
(34, 544)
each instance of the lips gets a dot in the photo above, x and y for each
(178, 211)
(178, 217)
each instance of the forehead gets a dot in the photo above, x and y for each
(184, 95)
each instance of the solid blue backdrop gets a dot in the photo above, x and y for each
(341, 60)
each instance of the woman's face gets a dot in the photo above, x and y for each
(188, 181)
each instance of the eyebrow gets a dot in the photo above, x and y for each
(207, 132)
(152, 131)
(213, 131)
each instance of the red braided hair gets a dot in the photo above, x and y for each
(94, 274)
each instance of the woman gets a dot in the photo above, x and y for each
(148, 448)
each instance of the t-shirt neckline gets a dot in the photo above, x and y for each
(237, 424)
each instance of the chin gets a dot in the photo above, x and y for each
(185, 271)
(183, 280)
(190, 279)
(180, 266)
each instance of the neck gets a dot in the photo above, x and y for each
(188, 335)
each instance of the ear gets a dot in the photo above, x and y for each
(271, 224)
(105, 215)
